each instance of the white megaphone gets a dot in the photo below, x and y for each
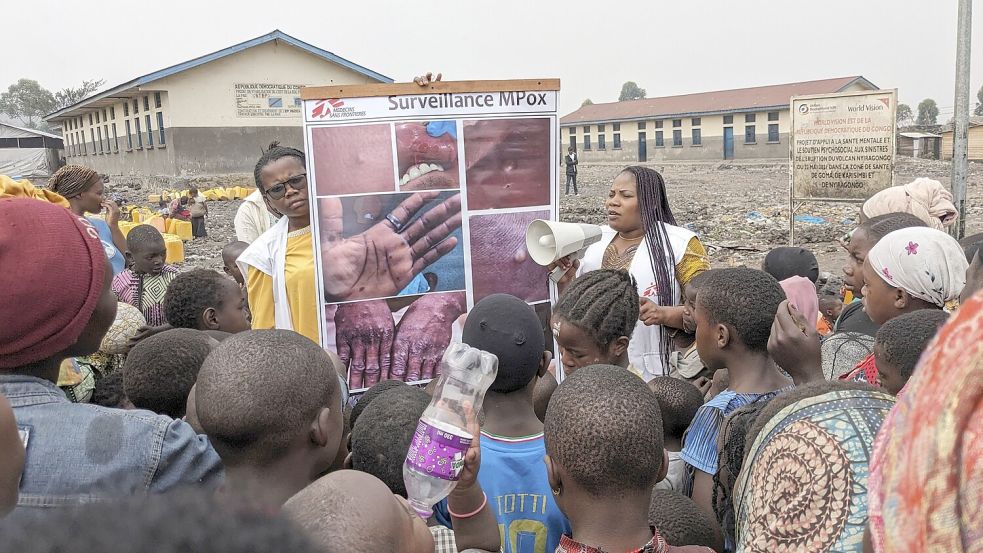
(548, 241)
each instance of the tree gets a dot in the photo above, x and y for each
(928, 112)
(28, 102)
(587, 102)
(70, 96)
(979, 102)
(631, 91)
(904, 115)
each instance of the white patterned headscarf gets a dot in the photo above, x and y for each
(927, 263)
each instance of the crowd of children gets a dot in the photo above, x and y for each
(789, 418)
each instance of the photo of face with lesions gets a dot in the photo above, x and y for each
(427, 156)
(353, 159)
(385, 245)
(507, 162)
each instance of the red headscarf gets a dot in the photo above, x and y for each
(52, 270)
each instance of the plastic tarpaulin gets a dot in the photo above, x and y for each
(25, 162)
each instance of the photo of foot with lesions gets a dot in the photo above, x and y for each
(385, 245)
(427, 155)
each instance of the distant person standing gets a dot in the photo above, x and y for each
(570, 160)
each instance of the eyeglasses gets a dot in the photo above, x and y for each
(279, 189)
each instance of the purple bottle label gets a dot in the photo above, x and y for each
(437, 452)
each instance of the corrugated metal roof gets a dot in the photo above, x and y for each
(31, 131)
(919, 135)
(721, 101)
(275, 35)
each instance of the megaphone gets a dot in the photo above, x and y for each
(548, 241)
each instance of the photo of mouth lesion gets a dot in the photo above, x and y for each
(387, 245)
(427, 155)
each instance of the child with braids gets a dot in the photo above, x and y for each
(145, 283)
(594, 319)
(643, 239)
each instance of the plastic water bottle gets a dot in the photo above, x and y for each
(436, 455)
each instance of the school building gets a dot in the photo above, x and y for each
(745, 123)
(210, 115)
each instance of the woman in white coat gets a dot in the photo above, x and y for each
(642, 238)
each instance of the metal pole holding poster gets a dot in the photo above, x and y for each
(421, 196)
(841, 148)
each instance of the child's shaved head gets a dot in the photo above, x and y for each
(678, 402)
(350, 512)
(160, 370)
(259, 392)
(603, 426)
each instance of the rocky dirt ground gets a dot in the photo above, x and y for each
(739, 209)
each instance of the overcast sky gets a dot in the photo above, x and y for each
(592, 46)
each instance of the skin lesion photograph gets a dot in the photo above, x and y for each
(508, 162)
(385, 245)
(400, 338)
(499, 260)
(427, 154)
(352, 159)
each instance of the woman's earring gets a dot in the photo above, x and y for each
(556, 491)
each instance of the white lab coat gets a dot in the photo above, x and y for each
(252, 218)
(645, 349)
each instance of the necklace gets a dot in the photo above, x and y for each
(622, 236)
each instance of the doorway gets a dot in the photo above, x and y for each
(728, 142)
(642, 148)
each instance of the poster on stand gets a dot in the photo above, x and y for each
(422, 196)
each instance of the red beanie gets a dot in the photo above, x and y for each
(52, 270)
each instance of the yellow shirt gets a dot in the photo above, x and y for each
(298, 274)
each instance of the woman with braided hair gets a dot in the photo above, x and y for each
(84, 190)
(643, 239)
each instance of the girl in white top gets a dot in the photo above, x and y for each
(642, 238)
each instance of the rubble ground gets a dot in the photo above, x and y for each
(739, 209)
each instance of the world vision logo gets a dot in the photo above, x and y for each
(334, 109)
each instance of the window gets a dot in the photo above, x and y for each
(112, 112)
(115, 139)
(586, 142)
(586, 129)
(573, 142)
(572, 130)
(150, 133)
(80, 122)
(160, 127)
(641, 125)
(146, 103)
(773, 116)
(129, 136)
(749, 137)
(105, 130)
(773, 133)
(97, 117)
(600, 128)
(695, 122)
(156, 99)
(659, 142)
(617, 141)
(728, 120)
(104, 118)
(658, 124)
(90, 119)
(677, 138)
(616, 127)
(136, 106)
(126, 109)
(139, 133)
(600, 142)
(697, 137)
(677, 123)
(101, 150)
(92, 133)
(749, 118)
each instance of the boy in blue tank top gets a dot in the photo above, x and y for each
(513, 474)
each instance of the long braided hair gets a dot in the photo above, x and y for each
(653, 204)
(72, 180)
(603, 303)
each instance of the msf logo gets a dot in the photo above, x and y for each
(325, 107)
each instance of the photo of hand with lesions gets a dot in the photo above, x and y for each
(386, 245)
(400, 338)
